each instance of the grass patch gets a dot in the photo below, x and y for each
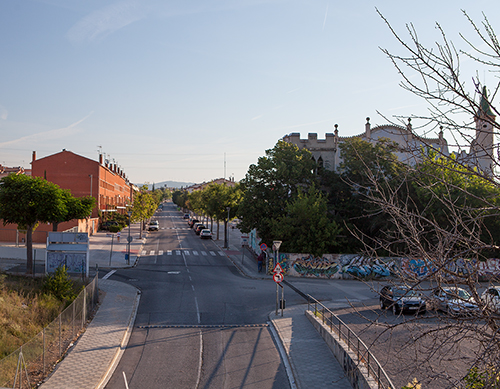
(27, 305)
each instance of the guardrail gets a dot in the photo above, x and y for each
(354, 343)
(35, 359)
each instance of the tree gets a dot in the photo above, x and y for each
(144, 206)
(305, 226)
(446, 207)
(271, 184)
(28, 201)
(76, 208)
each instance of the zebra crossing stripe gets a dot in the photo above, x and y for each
(195, 252)
(160, 252)
(152, 252)
(212, 253)
(178, 252)
(221, 253)
(143, 252)
(203, 253)
(169, 252)
(187, 253)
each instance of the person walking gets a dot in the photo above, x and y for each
(260, 259)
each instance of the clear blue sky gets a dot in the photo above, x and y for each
(167, 88)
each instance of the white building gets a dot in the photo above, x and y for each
(481, 154)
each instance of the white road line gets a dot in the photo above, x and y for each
(160, 252)
(169, 252)
(187, 253)
(177, 252)
(143, 252)
(152, 252)
(212, 253)
(203, 253)
(222, 253)
(109, 274)
(195, 253)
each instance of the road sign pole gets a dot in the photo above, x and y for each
(277, 298)
(282, 299)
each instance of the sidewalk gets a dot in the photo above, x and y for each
(96, 354)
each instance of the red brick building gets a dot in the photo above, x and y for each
(83, 176)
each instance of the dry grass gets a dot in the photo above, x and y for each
(24, 310)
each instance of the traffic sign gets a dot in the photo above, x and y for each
(263, 246)
(278, 269)
(278, 277)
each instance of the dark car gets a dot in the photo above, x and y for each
(105, 225)
(186, 216)
(401, 299)
(199, 227)
(192, 222)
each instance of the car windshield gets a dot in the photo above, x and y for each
(460, 293)
(405, 293)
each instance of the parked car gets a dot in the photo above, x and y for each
(154, 225)
(192, 222)
(453, 300)
(186, 216)
(195, 225)
(105, 225)
(491, 298)
(205, 234)
(401, 299)
(198, 228)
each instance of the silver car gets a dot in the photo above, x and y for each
(491, 298)
(453, 300)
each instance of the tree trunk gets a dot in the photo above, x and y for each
(54, 226)
(29, 250)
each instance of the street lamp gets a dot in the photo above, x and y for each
(129, 238)
(226, 233)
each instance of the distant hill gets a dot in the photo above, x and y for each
(169, 184)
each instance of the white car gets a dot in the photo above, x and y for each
(491, 298)
(154, 225)
(453, 300)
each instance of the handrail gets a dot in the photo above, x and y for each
(354, 343)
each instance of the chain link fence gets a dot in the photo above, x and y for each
(34, 360)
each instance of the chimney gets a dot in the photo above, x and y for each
(114, 167)
(368, 133)
(100, 159)
(33, 157)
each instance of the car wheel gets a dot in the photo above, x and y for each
(382, 305)
(395, 309)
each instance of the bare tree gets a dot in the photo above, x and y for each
(445, 213)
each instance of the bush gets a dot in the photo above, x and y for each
(60, 285)
(115, 228)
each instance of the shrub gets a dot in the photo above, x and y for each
(60, 285)
(115, 228)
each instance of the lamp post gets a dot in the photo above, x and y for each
(226, 233)
(129, 238)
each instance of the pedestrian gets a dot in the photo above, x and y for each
(260, 259)
(118, 236)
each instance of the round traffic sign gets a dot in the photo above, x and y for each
(263, 246)
(278, 277)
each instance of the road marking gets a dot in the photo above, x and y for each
(187, 253)
(222, 253)
(169, 252)
(203, 253)
(152, 252)
(178, 252)
(143, 252)
(212, 253)
(160, 252)
(195, 253)
(174, 272)
(109, 274)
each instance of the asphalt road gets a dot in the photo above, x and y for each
(200, 324)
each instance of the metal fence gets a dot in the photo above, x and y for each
(34, 360)
(354, 343)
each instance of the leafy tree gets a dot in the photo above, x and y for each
(28, 201)
(76, 208)
(180, 198)
(271, 184)
(144, 206)
(305, 227)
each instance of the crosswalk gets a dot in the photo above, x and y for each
(184, 252)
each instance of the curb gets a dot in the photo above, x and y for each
(284, 355)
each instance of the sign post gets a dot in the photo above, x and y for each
(278, 278)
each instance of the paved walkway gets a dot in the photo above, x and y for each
(97, 352)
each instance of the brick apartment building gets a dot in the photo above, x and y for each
(83, 176)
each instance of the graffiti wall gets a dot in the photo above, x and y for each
(337, 266)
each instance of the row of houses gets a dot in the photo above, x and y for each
(104, 181)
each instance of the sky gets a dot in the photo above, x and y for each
(196, 90)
